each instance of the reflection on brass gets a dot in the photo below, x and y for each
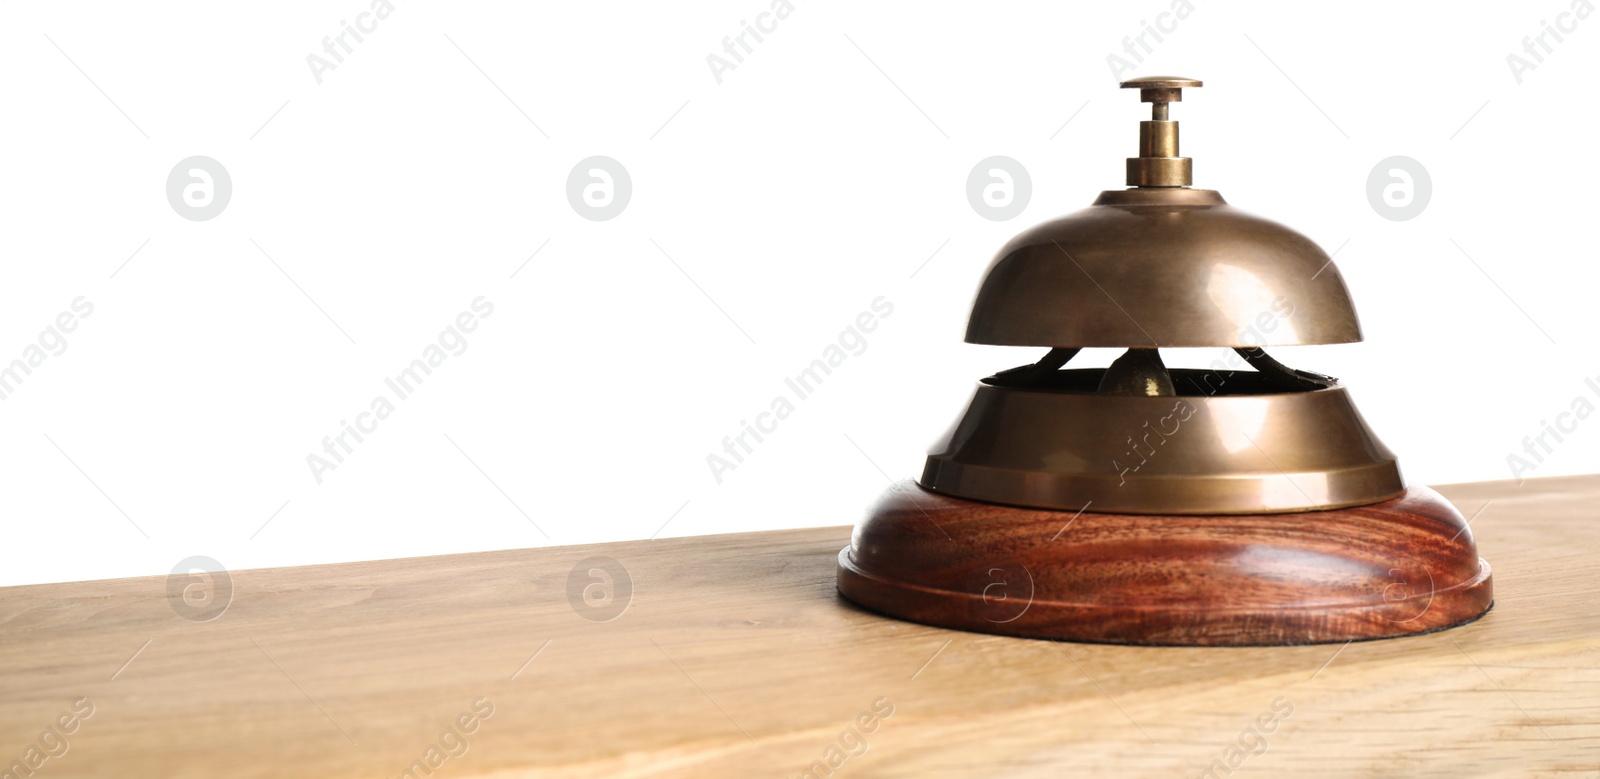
(1227, 443)
(1158, 139)
(1137, 372)
(1162, 267)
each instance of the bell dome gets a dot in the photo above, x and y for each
(1162, 267)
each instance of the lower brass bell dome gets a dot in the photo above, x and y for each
(1228, 442)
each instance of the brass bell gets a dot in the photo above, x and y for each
(1243, 504)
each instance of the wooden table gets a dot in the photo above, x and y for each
(735, 657)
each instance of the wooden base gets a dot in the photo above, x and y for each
(1401, 567)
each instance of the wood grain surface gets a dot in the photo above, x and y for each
(736, 657)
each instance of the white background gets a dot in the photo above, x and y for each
(790, 196)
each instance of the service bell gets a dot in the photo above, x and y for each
(1246, 503)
